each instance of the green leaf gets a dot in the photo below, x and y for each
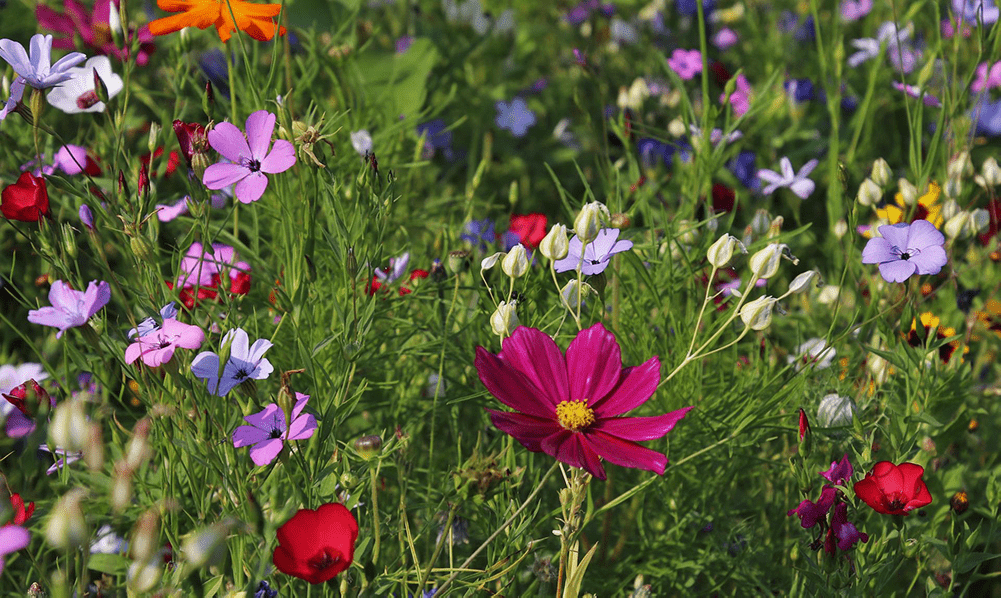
(112, 564)
(966, 562)
(397, 82)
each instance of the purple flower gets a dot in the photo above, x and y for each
(201, 267)
(842, 532)
(975, 11)
(840, 471)
(916, 92)
(71, 308)
(249, 156)
(596, 255)
(724, 39)
(12, 539)
(149, 325)
(988, 77)
(37, 69)
(397, 268)
(687, 63)
(157, 347)
(436, 137)
(267, 430)
(810, 513)
(987, 115)
(245, 362)
(742, 167)
(796, 181)
(480, 233)
(71, 159)
(906, 249)
(740, 99)
(853, 10)
(63, 457)
(514, 116)
(868, 47)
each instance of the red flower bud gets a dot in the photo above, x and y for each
(26, 200)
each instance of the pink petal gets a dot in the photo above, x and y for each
(224, 174)
(229, 141)
(534, 354)
(260, 126)
(281, 158)
(573, 449)
(528, 430)
(132, 352)
(627, 454)
(594, 364)
(248, 435)
(640, 428)
(272, 418)
(156, 357)
(511, 387)
(265, 452)
(300, 403)
(12, 539)
(636, 386)
(302, 427)
(251, 188)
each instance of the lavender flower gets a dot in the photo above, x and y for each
(795, 181)
(249, 156)
(267, 431)
(246, 362)
(36, 69)
(906, 249)
(514, 116)
(12, 539)
(595, 257)
(71, 308)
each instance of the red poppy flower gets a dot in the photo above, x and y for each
(26, 200)
(894, 489)
(317, 545)
(530, 228)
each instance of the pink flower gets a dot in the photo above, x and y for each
(12, 539)
(569, 406)
(267, 430)
(988, 77)
(158, 347)
(71, 308)
(740, 99)
(687, 63)
(248, 156)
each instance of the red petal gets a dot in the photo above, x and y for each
(625, 453)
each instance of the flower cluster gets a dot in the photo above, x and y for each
(830, 512)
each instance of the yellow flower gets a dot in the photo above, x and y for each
(928, 208)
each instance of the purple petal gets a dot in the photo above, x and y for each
(511, 387)
(98, 295)
(895, 234)
(281, 158)
(930, 260)
(636, 385)
(239, 344)
(788, 174)
(206, 366)
(265, 452)
(12, 539)
(260, 126)
(19, 425)
(67, 62)
(16, 57)
(877, 251)
(223, 174)
(248, 435)
(165, 213)
(229, 141)
(300, 404)
(594, 364)
(534, 354)
(923, 234)
(770, 176)
(302, 427)
(251, 188)
(807, 169)
(625, 453)
(897, 271)
(272, 418)
(50, 316)
(257, 350)
(182, 335)
(133, 351)
(641, 428)
(803, 188)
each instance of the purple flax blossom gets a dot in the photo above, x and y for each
(796, 181)
(201, 266)
(976, 11)
(245, 362)
(249, 156)
(988, 77)
(71, 308)
(12, 539)
(479, 233)
(898, 48)
(62, 457)
(687, 63)
(906, 249)
(842, 532)
(35, 70)
(71, 159)
(596, 255)
(853, 10)
(78, 93)
(268, 432)
(987, 116)
(515, 117)
(724, 39)
(397, 268)
(157, 347)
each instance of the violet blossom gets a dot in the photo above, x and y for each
(595, 257)
(245, 362)
(71, 308)
(35, 70)
(797, 182)
(906, 249)
(249, 156)
(158, 346)
(687, 63)
(514, 116)
(268, 431)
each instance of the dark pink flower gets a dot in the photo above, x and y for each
(810, 513)
(250, 158)
(93, 27)
(569, 406)
(842, 533)
(840, 471)
(158, 347)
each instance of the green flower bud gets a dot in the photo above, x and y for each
(590, 220)
(881, 172)
(720, 252)
(515, 264)
(555, 245)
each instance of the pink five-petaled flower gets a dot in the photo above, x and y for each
(906, 249)
(796, 181)
(158, 347)
(568, 406)
(248, 156)
(267, 430)
(894, 489)
(71, 308)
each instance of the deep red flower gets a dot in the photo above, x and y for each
(723, 198)
(172, 161)
(21, 512)
(894, 489)
(569, 407)
(804, 424)
(192, 138)
(530, 228)
(317, 545)
(26, 200)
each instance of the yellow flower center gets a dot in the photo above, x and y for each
(574, 415)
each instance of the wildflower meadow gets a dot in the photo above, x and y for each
(420, 298)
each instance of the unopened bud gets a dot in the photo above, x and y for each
(515, 263)
(765, 262)
(840, 228)
(835, 411)
(959, 166)
(368, 446)
(677, 127)
(69, 428)
(880, 172)
(146, 536)
(953, 188)
(908, 192)
(757, 314)
(458, 261)
(869, 193)
(490, 261)
(206, 546)
(154, 132)
(555, 245)
(571, 294)
(991, 172)
(504, 319)
(590, 221)
(93, 452)
(775, 228)
(121, 488)
(143, 576)
(981, 219)
(351, 263)
(137, 450)
(66, 528)
(802, 281)
(960, 225)
(720, 253)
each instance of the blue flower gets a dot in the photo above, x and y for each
(802, 90)
(264, 590)
(743, 167)
(479, 233)
(653, 152)
(149, 325)
(515, 117)
(987, 115)
(689, 8)
(436, 137)
(246, 362)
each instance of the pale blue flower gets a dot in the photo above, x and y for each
(515, 117)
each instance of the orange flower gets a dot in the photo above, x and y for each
(254, 19)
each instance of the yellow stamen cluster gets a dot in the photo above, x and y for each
(574, 415)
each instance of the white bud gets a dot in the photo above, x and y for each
(121, 490)
(950, 208)
(677, 127)
(490, 261)
(829, 294)
(840, 228)
(878, 367)
(760, 223)
(869, 193)
(66, 528)
(835, 411)
(571, 294)
(881, 172)
(515, 263)
(908, 191)
(206, 546)
(958, 226)
(991, 172)
(143, 576)
(757, 314)
(720, 252)
(146, 536)
(953, 188)
(555, 245)
(959, 166)
(765, 263)
(69, 428)
(504, 319)
(590, 220)
(981, 219)
(802, 282)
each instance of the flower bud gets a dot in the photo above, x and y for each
(757, 314)
(953, 188)
(765, 262)
(505, 319)
(144, 575)
(121, 488)
(458, 261)
(880, 172)
(590, 220)
(840, 228)
(959, 166)
(960, 225)
(835, 411)
(981, 219)
(991, 172)
(950, 208)
(720, 252)
(907, 191)
(677, 127)
(206, 546)
(571, 294)
(555, 245)
(802, 282)
(368, 446)
(69, 241)
(515, 264)
(869, 193)
(66, 528)
(146, 536)
(154, 129)
(137, 450)
(490, 261)
(93, 452)
(69, 428)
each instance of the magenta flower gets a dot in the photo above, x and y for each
(916, 92)
(71, 308)
(740, 99)
(204, 267)
(12, 539)
(906, 249)
(158, 347)
(840, 471)
(687, 63)
(842, 533)
(268, 433)
(988, 77)
(569, 406)
(810, 513)
(93, 28)
(248, 156)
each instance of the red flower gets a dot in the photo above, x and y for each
(804, 424)
(894, 489)
(317, 545)
(192, 139)
(21, 513)
(530, 228)
(26, 200)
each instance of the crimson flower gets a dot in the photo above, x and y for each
(317, 545)
(26, 200)
(894, 489)
(530, 228)
(22, 512)
(569, 406)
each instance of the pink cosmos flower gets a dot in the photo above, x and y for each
(158, 347)
(569, 406)
(687, 63)
(71, 308)
(93, 27)
(248, 156)
(267, 430)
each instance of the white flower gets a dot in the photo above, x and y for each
(362, 142)
(78, 93)
(835, 411)
(814, 351)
